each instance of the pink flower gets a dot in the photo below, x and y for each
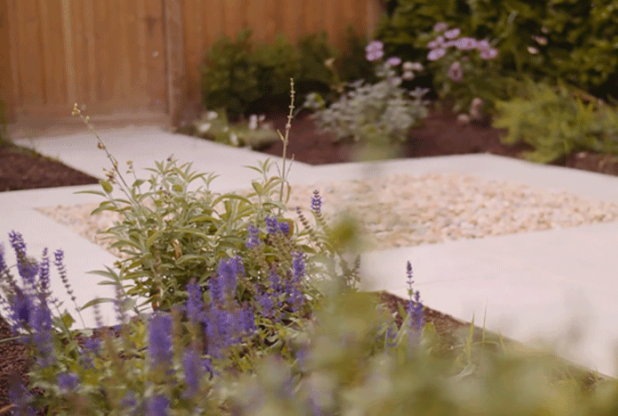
(374, 50)
(466, 44)
(452, 34)
(440, 27)
(482, 44)
(489, 53)
(393, 61)
(436, 43)
(455, 72)
(436, 54)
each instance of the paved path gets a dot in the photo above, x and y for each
(532, 285)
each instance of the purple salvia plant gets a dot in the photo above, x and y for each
(160, 340)
(41, 323)
(295, 295)
(316, 202)
(415, 307)
(20, 397)
(68, 381)
(253, 240)
(224, 284)
(271, 225)
(26, 267)
(59, 263)
(194, 306)
(193, 372)
(158, 406)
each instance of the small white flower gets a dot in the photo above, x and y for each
(203, 128)
(545, 30)
(407, 75)
(253, 122)
(540, 40)
(436, 43)
(483, 44)
(532, 50)
(489, 53)
(211, 115)
(261, 118)
(234, 139)
(466, 44)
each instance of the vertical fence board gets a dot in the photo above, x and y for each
(112, 55)
(6, 67)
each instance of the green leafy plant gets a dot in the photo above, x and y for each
(556, 122)
(314, 51)
(380, 113)
(229, 76)
(276, 63)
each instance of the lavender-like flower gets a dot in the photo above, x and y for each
(67, 381)
(3, 266)
(489, 53)
(193, 371)
(224, 285)
(20, 397)
(271, 225)
(253, 239)
(41, 324)
(27, 268)
(415, 307)
(374, 50)
(316, 202)
(158, 406)
(194, 306)
(284, 227)
(160, 340)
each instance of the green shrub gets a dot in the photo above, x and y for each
(314, 50)
(352, 65)
(570, 41)
(276, 63)
(557, 123)
(229, 75)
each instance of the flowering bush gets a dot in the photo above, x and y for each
(460, 73)
(374, 113)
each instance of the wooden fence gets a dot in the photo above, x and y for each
(140, 55)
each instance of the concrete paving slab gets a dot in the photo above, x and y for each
(80, 258)
(533, 284)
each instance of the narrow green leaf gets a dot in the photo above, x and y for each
(107, 187)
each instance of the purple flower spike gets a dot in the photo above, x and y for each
(452, 34)
(483, 44)
(160, 339)
(193, 372)
(20, 397)
(253, 240)
(298, 266)
(455, 72)
(67, 381)
(436, 54)
(271, 225)
(158, 406)
(316, 202)
(194, 306)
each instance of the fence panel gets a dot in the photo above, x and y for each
(108, 55)
(206, 20)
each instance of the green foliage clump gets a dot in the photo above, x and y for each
(255, 133)
(557, 123)
(229, 75)
(276, 63)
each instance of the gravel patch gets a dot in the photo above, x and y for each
(408, 210)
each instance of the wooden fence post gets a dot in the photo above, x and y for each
(175, 59)
(6, 78)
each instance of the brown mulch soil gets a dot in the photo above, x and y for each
(440, 135)
(24, 169)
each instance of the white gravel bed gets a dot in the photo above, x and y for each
(407, 210)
